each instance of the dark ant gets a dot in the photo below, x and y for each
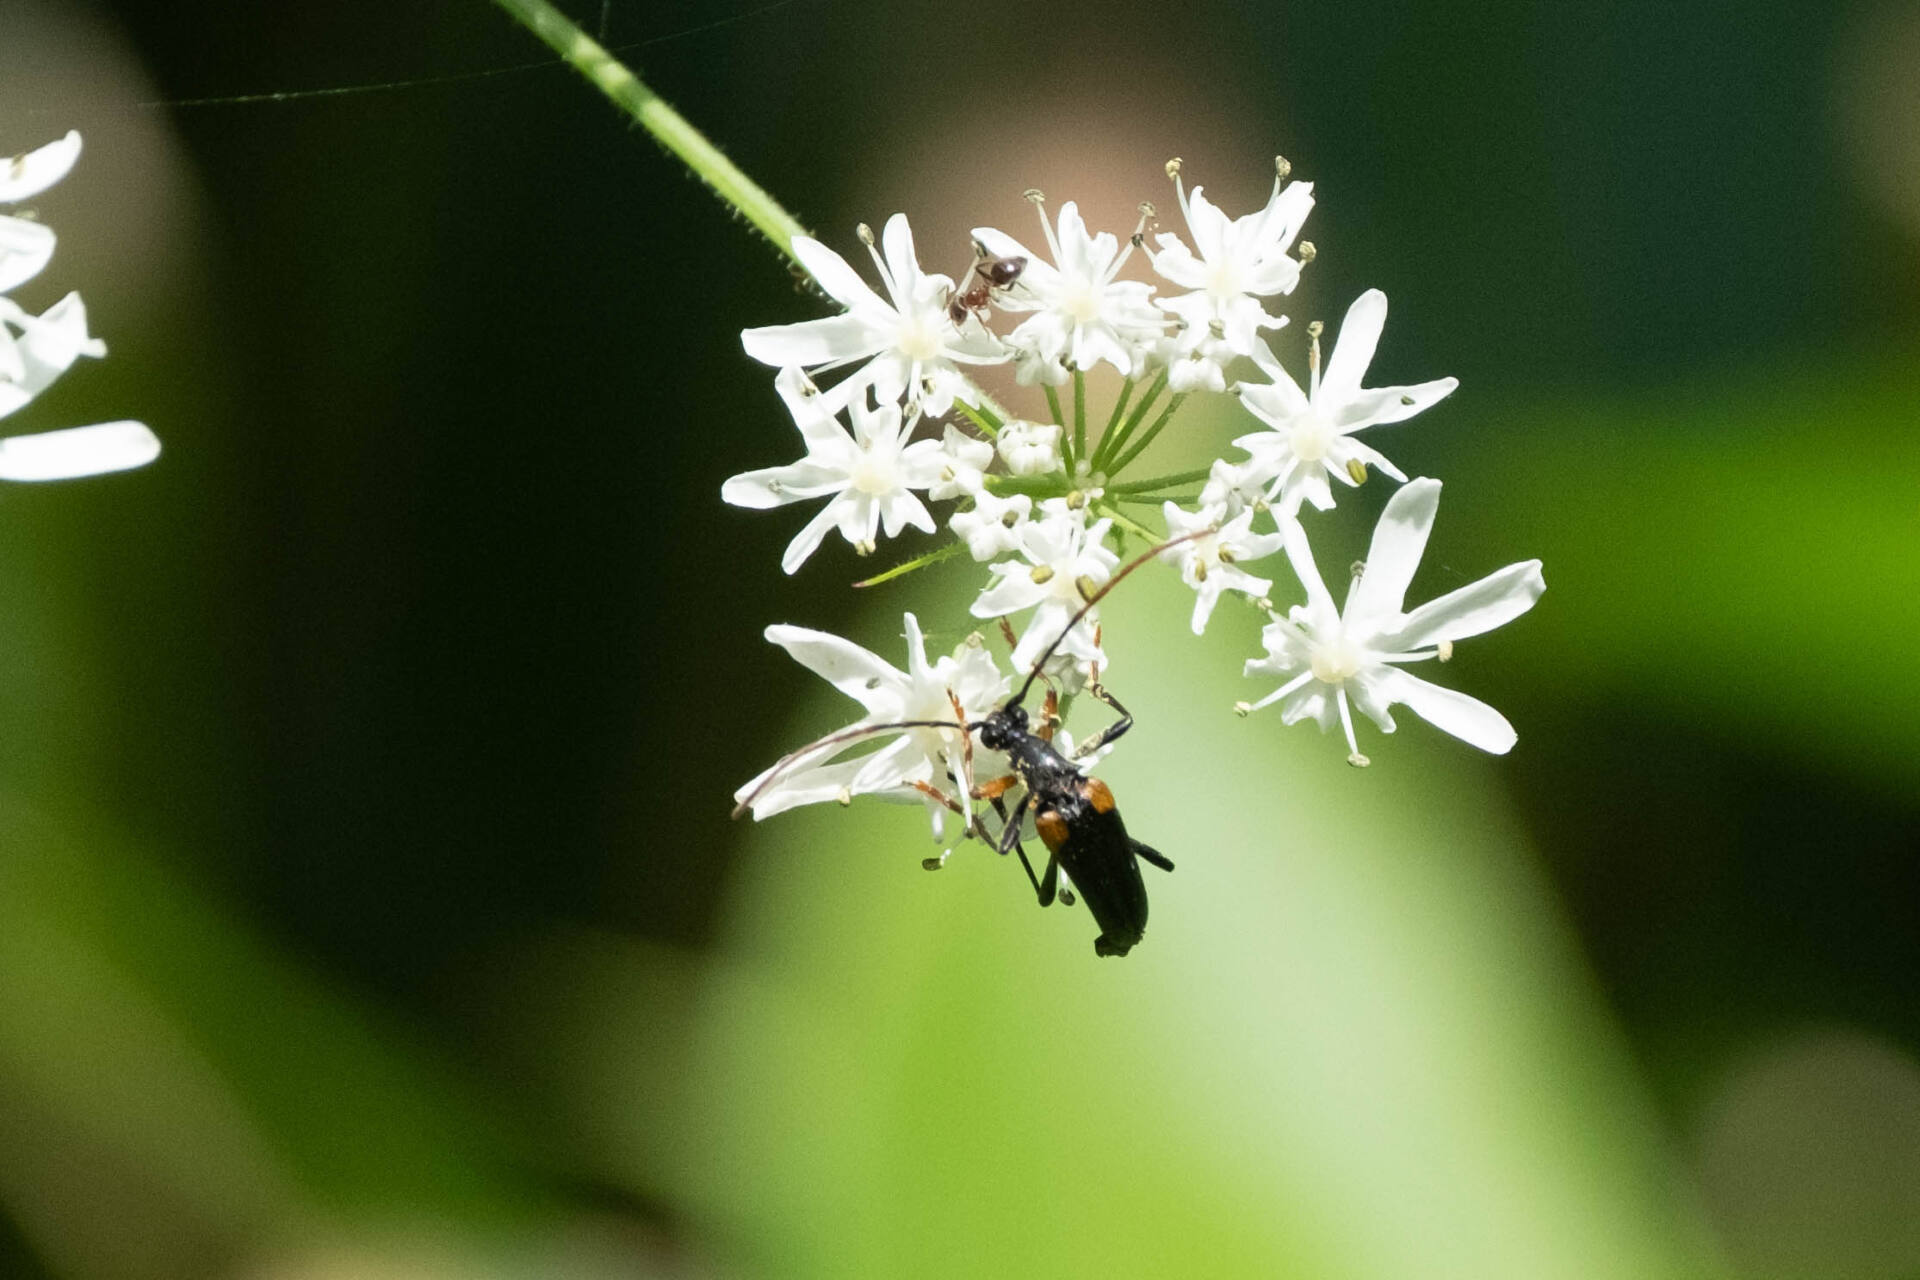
(987, 275)
(1075, 815)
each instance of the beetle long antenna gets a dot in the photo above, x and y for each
(1097, 597)
(786, 762)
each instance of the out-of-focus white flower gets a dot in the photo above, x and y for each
(36, 350)
(1234, 262)
(931, 754)
(1310, 439)
(909, 343)
(868, 475)
(1197, 359)
(993, 525)
(1210, 563)
(963, 465)
(1029, 448)
(1330, 656)
(1066, 561)
(1081, 314)
(1229, 490)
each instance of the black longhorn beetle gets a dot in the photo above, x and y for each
(1075, 815)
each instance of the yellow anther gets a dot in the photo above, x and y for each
(1446, 651)
(1307, 252)
(1357, 469)
(865, 233)
(1041, 574)
(1243, 709)
(1315, 328)
(1358, 761)
(1086, 586)
(1034, 194)
(1173, 167)
(1282, 167)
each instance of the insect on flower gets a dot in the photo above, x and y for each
(988, 276)
(1074, 814)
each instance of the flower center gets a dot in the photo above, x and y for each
(1311, 438)
(1223, 278)
(1335, 661)
(1081, 305)
(873, 475)
(918, 341)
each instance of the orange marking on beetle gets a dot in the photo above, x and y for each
(1099, 796)
(1052, 828)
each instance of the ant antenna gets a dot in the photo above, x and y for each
(786, 762)
(1097, 597)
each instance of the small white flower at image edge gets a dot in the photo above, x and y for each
(1330, 657)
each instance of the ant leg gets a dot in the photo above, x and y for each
(1112, 731)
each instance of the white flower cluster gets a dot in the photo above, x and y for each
(36, 349)
(1045, 506)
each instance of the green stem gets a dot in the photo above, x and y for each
(1160, 482)
(983, 417)
(1119, 407)
(1133, 526)
(1113, 441)
(1079, 414)
(1155, 499)
(1053, 407)
(1146, 437)
(953, 548)
(669, 129)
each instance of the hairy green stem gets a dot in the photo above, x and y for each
(669, 129)
(1160, 482)
(983, 417)
(918, 562)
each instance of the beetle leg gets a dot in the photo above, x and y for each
(1044, 888)
(1112, 731)
(1154, 856)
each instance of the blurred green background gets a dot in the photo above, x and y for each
(368, 905)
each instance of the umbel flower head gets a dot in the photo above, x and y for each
(36, 349)
(1045, 507)
(1329, 657)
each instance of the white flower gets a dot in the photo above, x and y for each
(908, 340)
(1332, 656)
(1234, 261)
(993, 525)
(1229, 490)
(923, 754)
(963, 463)
(1066, 561)
(1311, 435)
(868, 475)
(1029, 448)
(1196, 359)
(1210, 563)
(36, 350)
(1081, 313)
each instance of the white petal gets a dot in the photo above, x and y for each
(808, 540)
(25, 247)
(1477, 607)
(1468, 719)
(896, 241)
(1399, 540)
(812, 342)
(1379, 405)
(852, 670)
(1301, 557)
(801, 786)
(78, 451)
(777, 486)
(831, 272)
(28, 175)
(1354, 347)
